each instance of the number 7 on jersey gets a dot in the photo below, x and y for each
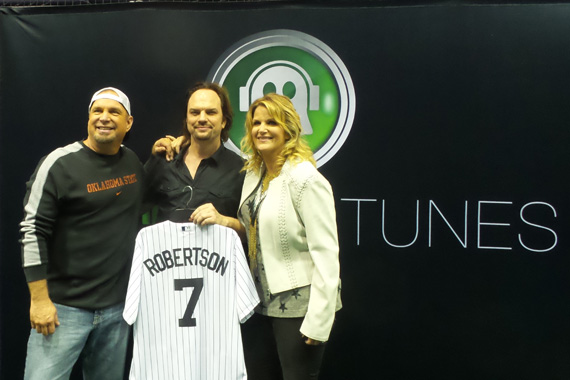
(198, 285)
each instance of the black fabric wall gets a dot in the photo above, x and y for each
(451, 188)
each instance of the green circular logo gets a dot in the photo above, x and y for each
(296, 65)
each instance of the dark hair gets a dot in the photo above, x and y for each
(227, 112)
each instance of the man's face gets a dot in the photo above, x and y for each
(204, 118)
(108, 122)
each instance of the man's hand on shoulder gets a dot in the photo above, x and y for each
(168, 146)
(163, 146)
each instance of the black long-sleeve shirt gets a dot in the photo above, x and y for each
(81, 217)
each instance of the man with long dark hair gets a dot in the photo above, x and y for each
(203, 180)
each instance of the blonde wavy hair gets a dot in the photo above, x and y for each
(295, 149)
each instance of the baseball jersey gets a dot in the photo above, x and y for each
(189, 290)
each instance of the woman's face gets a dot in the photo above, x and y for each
(267, 135)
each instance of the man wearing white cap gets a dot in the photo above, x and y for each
(81, 214)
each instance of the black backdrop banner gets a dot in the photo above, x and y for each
(449, 168)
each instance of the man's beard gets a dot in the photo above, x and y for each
(104, 139)
(203, 136)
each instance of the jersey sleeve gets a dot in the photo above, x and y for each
(132, 300)
(40, 213)
(247, 297)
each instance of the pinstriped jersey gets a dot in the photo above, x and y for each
(189, 290)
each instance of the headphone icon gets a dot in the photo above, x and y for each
(280, 74)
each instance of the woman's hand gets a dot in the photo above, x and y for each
(311, 342)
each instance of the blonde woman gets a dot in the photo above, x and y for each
(287, 209)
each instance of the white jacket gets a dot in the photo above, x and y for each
(298, 238)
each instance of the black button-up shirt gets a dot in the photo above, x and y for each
(218, 180)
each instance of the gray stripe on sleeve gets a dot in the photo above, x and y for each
(30, 245)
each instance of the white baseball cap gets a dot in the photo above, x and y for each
(120, 97)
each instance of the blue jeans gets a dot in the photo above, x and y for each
(98, 338)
